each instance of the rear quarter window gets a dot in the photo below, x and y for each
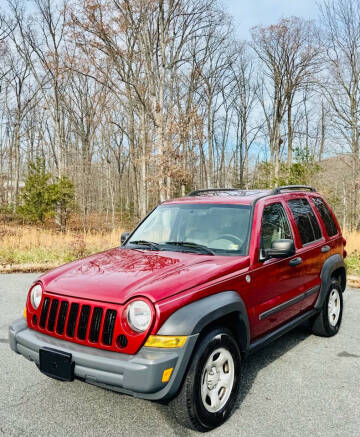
(326, 216)
(305, 219)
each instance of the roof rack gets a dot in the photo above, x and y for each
(272, 192)
(229, 191)
(211, 190)
(278, 190)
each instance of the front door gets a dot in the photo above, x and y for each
(275, 284)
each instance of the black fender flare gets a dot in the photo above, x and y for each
(196, 316)
(333, 263)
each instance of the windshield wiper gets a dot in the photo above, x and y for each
(151, 244)
(191, 245)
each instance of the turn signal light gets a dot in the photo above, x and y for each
(25, 313)
(166, 341)
(167, 374)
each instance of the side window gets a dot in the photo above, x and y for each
(305, 219)
(274, 226)
(326, 216)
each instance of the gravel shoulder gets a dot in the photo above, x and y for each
(299, 385)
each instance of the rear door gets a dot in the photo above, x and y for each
(334, 242)
(309, 242)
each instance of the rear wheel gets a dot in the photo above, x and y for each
(210, 390)
(327, 322)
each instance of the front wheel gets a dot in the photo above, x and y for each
(327, 322)
(210, 390)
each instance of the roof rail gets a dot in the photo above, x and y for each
(272, 192)
(210, 190)
(278, 190)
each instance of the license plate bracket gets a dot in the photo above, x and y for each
(56, 364)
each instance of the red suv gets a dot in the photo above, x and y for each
(201, 282)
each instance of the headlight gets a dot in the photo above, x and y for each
(35, 296)
(139, 315)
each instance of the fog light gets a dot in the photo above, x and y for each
(167, 374)
(121, 341)
(168, 341)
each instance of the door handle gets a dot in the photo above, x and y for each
(295, 261)
(325, 249)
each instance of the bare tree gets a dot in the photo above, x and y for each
(244, 102)
(288, 52)
(141, 100)
(341, 22)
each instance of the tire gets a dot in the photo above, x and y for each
(193, 407)
(327, 322)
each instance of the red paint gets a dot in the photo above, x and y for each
(135, 340)
(170, 280)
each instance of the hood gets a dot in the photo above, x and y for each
(119, 274)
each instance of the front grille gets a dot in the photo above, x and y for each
(52, 315)
(62, 317)
(83, 322)
(109, 327)
(44, 312)
(77, 321)
(95, 325)
(74, 309)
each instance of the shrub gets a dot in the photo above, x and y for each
(41, 199)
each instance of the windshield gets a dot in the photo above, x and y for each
(203, 228)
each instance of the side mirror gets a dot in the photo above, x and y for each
(124, 237)
(281, 249)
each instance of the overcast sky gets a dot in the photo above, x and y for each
(250, 13)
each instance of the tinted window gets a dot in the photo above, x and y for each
(275, 226)
(305, 220)
(326, 216)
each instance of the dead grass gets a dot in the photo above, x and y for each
(352, 242)
(27, 248)
(353, 258)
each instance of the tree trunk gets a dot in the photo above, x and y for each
(322, 138)
(142, 179)
(290, 134)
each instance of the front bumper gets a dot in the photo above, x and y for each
(138, 375)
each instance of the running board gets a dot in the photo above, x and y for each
(268, 338)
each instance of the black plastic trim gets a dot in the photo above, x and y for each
(193, 318)
(293, 187)
(268, 338)
(333, 263)
(44, 312)
(288, 303)
(241, 191)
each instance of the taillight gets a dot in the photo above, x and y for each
(344, 241)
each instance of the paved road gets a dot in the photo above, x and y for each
(301, 385)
